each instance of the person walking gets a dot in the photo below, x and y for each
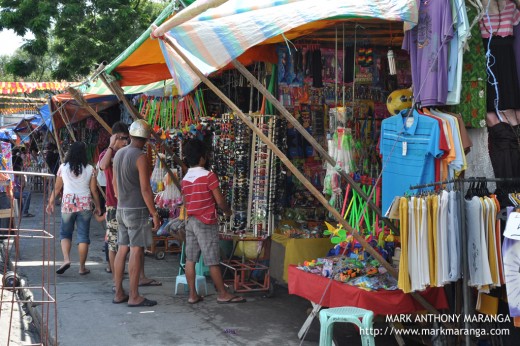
(78, 180)
(202, 194)
(131, 182)
(118, 140)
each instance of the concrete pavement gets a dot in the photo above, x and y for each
(86, 315)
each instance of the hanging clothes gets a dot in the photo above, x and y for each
(474, 87)
(455, 54)
(427, 43)
(430, 243)
(408, 147)
(504, 152)
(479, 271)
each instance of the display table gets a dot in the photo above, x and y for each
(286, 251)
(312, 287)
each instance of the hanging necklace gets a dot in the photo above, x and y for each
(495, 33)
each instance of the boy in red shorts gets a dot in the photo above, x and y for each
(202, 194)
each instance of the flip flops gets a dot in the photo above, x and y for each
(152, 282)
(145, 302)
(232, 300)
(87, 271)
(124, 300)
(198, 300)
(63, 268)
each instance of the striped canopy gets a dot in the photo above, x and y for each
(99, 88)
(219, 35)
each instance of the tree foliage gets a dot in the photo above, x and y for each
(77, 34)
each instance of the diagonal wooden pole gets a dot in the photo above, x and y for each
(119, 93)
(297, 173)
(55, 130)
(299, 127)
(84, 104)
(186, 14)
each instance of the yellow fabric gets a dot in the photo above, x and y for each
(299, 250)
(435, 225)
(431, 250)
(465, 162)
(492, 250)
(403, 281)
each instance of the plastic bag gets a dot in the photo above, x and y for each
(156, 180)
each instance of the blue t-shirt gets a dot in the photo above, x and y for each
(408, 152)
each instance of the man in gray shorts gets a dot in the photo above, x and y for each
(202, 195)
(135, 204)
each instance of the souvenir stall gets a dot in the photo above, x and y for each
(176, 56)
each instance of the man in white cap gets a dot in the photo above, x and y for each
(132, 188)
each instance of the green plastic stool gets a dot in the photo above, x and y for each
(360, 317)
(200, 279)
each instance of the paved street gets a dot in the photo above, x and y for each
(86, 315)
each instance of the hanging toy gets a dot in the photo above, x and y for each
(391, 62)
(399, 100)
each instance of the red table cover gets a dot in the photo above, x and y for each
(311, 287)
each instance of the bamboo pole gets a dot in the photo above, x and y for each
(298, 175)
(84, 104)
(186, 14)
(299, 127)
(118, 91)
(55, 130)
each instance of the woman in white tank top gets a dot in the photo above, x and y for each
(78, 180)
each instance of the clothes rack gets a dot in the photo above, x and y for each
(459, 186)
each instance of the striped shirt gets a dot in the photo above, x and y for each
(409, 153)
(501, 24)
(197, 187)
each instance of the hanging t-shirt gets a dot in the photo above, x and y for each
(455, 55)
(500, 24)
(427, 44)
(409, 148)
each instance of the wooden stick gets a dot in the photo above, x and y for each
(297, 173)
(186, 14)
(84, 104)
(299, 127)
(55, 130)
(118, 91)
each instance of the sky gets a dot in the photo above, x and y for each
(10, 42)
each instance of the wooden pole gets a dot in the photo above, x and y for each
(84, 104)
(118, 91)
(323, 153)
(81, 100)
(297, 174)
(55, 130)
(186, 14)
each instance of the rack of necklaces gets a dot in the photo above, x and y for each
(250, 174)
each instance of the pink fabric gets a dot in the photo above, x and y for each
(501, 24)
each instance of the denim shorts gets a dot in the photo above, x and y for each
(82, 221)
(134, 227)
(201, 237)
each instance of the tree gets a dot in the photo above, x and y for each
(77, 34)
